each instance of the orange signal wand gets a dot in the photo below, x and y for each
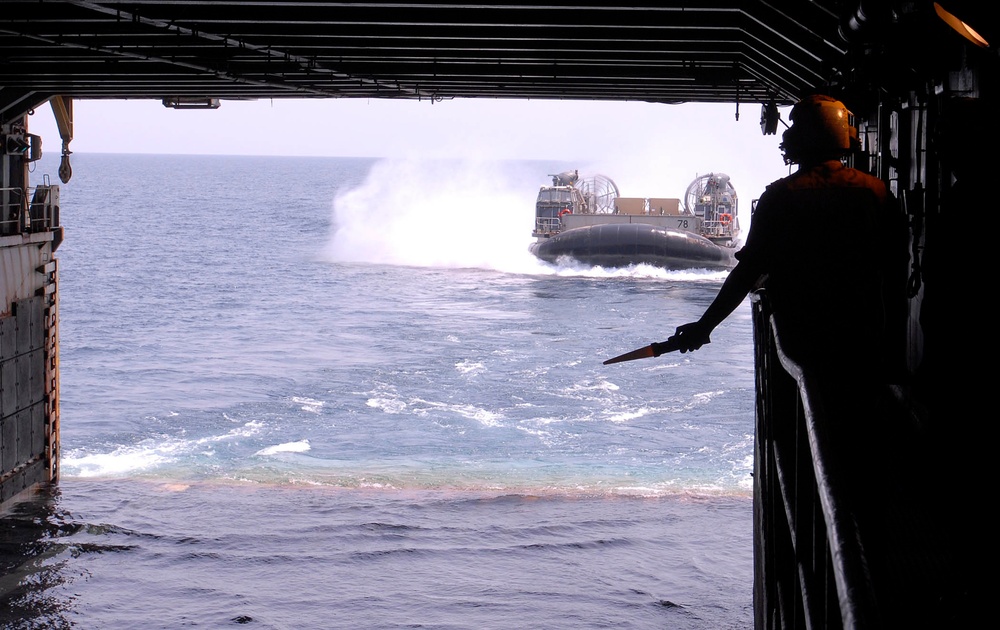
(652, 350)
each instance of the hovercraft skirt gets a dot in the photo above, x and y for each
(624, 244)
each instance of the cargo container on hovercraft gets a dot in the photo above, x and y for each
(586, 220)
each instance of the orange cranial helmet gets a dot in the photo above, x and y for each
(821, 130)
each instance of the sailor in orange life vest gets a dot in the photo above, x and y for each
(815, 245)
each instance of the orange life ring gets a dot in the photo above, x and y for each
(564, 211)
(725, 218)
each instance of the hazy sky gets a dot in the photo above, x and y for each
(639, 145)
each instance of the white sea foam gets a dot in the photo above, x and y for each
(388, 405)
(422, 407)
(301, 446)
(121, 461)
(308, 404)
(148, 454)
(470, 367)
(702, 398)
(626, 416)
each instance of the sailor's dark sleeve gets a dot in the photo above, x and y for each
(761, 241)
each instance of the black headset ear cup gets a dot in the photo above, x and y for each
(790, 146)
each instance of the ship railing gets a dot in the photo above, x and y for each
(547, 225)
(717, 228)
(33, 210)
(811, 448)
(12, 214)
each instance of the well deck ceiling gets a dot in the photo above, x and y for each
(663, 51)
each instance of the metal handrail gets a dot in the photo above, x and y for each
(18, 215)
(716, 227)
(11, 210)
(547, 225)
(810, 566)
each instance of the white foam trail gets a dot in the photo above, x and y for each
(118, 462)
(148, 454)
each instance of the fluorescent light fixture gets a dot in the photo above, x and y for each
(191, 102)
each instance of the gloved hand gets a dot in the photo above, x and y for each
(692, 336)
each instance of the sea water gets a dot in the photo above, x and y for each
(341, 393)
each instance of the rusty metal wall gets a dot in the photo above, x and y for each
(24, 397)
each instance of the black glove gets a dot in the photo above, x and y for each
(692, 336)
